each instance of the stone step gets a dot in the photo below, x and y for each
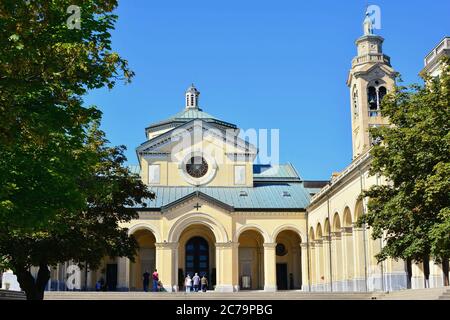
(416, 294)
(12, 295)
(420, 294)
(204, 296)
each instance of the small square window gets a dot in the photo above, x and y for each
(154, 173)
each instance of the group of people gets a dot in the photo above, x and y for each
(195, 283)
(157, 285)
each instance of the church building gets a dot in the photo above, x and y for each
(248, 226)
(216, 213)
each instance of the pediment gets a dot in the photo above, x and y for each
(368, 69)
(195, 130)
(196, 201)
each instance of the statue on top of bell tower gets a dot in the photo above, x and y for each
(368, 25)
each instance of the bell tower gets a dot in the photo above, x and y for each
(192, 97)
(370, 79)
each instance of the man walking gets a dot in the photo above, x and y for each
(188, 283)
(196, 281)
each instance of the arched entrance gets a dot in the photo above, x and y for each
(197, 257)
(145, 259)
(197, 254)
(251, 260)
(288, 260)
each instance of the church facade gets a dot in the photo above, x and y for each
(216, 213)
(260, 227)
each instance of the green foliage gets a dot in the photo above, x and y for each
(63, 191)
(412, 212)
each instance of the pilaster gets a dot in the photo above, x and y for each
(227, 266)
(166, 258)
(270, 279)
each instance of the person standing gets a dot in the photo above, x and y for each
(146, 280)
(155, 277)
(196, 282)
(188, 283)
(204, 283)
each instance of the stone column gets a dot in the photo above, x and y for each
(320, 276)
(312, 267)
(336, 254)
(359, 260)
(226, 266)
(375, 270)
(270, 277)
(305, 262)
(123, 274)
(166, 258)
(326, 263)
(348, 258)
(436, 275)
(395, 275)
(418, 278)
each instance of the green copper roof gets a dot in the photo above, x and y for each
(189, 114)
(268, 196)
(274, 172)
(192, 113)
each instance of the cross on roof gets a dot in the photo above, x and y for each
(198, 206)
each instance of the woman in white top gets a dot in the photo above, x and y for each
(188, 283)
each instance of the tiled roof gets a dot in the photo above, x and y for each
(264, 196)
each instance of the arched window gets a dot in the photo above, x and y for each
(375, 95)
(373, 103)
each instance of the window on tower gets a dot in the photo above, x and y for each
(355, 102)
(192, 100)
(373, 102)
(375, 95)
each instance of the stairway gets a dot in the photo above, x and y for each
(418, 294)
(12, 295)
(242, 295)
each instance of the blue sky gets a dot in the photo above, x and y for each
(259, 64)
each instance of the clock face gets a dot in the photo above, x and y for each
(197, 167)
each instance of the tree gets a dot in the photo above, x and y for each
(412, 211)
(54, 161)
(82, 236)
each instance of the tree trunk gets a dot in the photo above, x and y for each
(34, 288)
